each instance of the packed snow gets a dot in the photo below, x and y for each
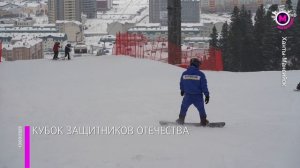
(262, 118)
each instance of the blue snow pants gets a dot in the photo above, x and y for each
(196, 100)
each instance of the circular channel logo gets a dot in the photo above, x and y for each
(283, 18)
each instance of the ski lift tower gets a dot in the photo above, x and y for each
(174, 32)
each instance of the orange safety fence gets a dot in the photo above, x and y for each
(139, 46)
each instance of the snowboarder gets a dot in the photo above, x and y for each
(67, 51)
(193, 85)
(55, 50)
(298, 86)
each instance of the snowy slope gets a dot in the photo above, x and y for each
(262, 131)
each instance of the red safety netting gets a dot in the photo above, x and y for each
(138, 46)
(130, 44)
(211, 59)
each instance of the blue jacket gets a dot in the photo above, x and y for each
(193, 81)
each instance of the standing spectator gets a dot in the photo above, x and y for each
(67, 51)
(56, 50)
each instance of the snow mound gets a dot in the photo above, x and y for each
(263, 128)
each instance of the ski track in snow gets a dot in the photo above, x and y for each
(262, 118)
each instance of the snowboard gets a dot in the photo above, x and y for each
(297, 90)
(211, 124)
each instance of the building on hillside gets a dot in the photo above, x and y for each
(48, 38)
(25, 22)
(24, 49)
(197, 42)
(35, 8)
(154, 31)
(73, 29)
(32, 29)
(10, 10)
(116, 27)
(18, 22)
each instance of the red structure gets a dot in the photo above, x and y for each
(138, 46)
(214, 61)
(210, 60)
(130, 44)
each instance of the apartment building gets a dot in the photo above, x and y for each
(55, 10)
(72, 10)
(89, 8)
(64, 10)
(104, 5)
(190, 11)
(23, 49)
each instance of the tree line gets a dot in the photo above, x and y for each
(248, 46)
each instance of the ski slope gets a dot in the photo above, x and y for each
(262, 118)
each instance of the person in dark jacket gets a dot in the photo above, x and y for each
(67, 51)
(298, 86)
(56, 50)
(193, 85)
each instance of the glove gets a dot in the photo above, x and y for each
(206, 99)
(182, 93)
